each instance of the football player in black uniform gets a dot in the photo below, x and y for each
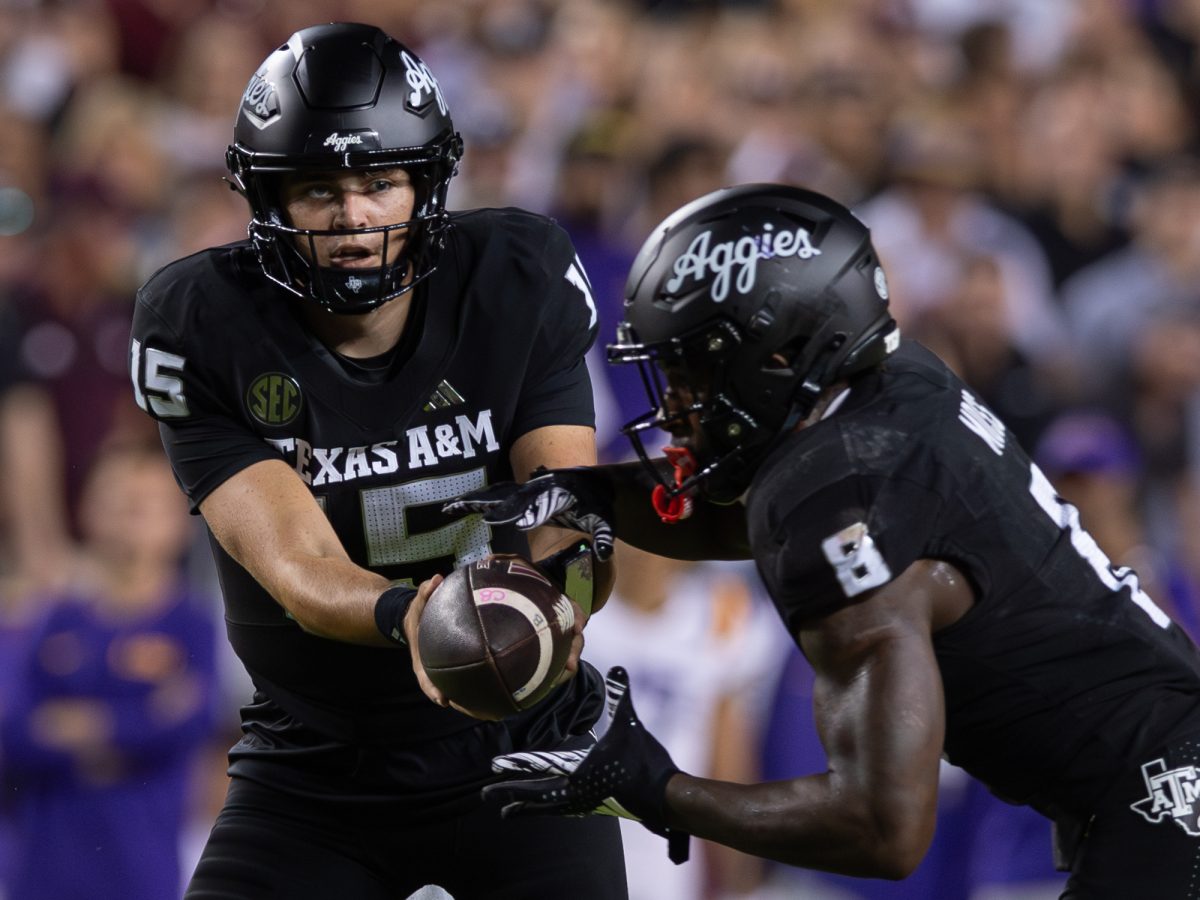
(949, 602)
(322, 389)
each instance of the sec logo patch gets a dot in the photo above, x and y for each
(274, 399)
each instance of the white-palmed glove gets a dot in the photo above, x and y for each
(625, 774)
(579, 498)
(548, 763)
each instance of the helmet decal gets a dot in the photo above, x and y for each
(700, 259)
(260, 102)
(422, 82)
(339, 142)
(881, 285)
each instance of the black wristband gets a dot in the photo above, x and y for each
(390, 609)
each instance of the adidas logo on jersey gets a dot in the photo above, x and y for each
(444, 395)
(982, 421)
(420, 448)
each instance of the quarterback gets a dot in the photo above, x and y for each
(322, 389)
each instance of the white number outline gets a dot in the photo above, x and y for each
(858, 563)
(1066, 517)
(578, 277)
(166, 398)
(385, 522)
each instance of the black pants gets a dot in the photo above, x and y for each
(1144, 842)
(266, 844)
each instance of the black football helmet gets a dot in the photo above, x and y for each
(748, 303)
(344, 96)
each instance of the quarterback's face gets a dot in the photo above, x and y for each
(342, 200)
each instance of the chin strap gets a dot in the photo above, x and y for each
(672, 509)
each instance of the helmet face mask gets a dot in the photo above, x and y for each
(750, 302)
(338, 98)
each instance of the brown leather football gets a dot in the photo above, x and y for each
(495, 636)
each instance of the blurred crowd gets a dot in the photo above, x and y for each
(1029, 170)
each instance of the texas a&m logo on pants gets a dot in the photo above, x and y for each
(1171, 794)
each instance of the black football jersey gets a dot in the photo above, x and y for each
(1064, 674)
(220, 360)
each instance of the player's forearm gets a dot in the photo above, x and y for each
(812, 822)
(879, 712)
(711, 532)
(330, 597)
(267, 520)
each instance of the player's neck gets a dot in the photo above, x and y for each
(360, 336)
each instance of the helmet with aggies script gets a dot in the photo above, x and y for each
(752, 300)
(344, 96)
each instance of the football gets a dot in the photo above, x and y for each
(495, 636)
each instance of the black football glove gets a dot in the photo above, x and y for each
(625, 774)
(580, 498)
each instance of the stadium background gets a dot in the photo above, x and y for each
(1028, 169)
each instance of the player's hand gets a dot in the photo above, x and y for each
(625, 773)
(580, 498)
(412, 627)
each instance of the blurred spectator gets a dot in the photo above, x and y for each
(112, 699)
(24, 171)
(699, 652)
(972, 331)
(1071, 190)
(1094, 463)
(1040, 29)
(202, 80)
(107, 185)
(1174, 28)
(36, 545)
(72, 342)
(820, 114)
(203, 212)
(56, 48)
(934, 217)
(148, 29)
(1136, 319)
(683, 168)
(108, 150)
(596, 182)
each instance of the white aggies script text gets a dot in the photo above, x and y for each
(703, 258)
